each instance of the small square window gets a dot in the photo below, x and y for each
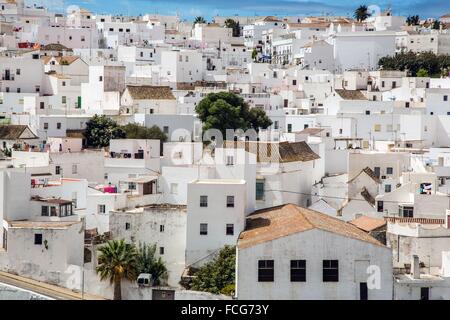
(265, 271)
(203, 201)
(203, 229)
(298, 270)
(101, 208)
(38, 238)
(387, 188)
(330, 270)
(230, 229)
(230, 201)
(389, 170)
(44, 211)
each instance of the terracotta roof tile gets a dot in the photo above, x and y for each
(276, 152)
(151, 92)
(351, 94)
(368, 223)
(13, 131)
(277, 222)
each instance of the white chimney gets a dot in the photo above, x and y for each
(415, 267)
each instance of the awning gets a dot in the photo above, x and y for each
(143, 179)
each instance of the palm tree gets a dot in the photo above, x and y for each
(199, 20)
(361, 13)
(413, 20)
(117, 261)
(148, 263)
(436, 25)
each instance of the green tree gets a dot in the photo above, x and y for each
(361, 13)
(232, 24)
(413, 62)
(254, 54)
(413, 20)
(117, 261)
(436, 25)
(147, 262)
(136, 131)
(217, 276)
(422, 73)
(199, 19)
(100, 130)
(225, 110)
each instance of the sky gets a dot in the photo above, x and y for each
(188, 9)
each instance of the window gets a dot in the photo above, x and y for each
(289, 127)
(161, 250)
(330, 270)
(166, 129)
(394, 84)
(174, 188)
(424, 293)
(406, 212)
(203, 201)
(445, 98)
(58, 125)
(18, 72)
(230, 201)
(44, 211)
(376, 170)
(63, 99)
(100, 78)
(74, 169)
(380, 206)
(57, 170)
(41, 105)
(230, 160)
(101, 208)
(45, 125)
(387, 188)
(127, 226)
(294, 82)
(38, 238)
(161, 228)
(340, 131)
(389, 170)
(53, 212)
(230, 229)
(377, 127)
(83, 38)
(298, 270)
(363, 292)
(259, 189)
(382, 84)
(203, 229)
(265, 270)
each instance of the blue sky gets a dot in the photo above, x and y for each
(209, 8)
